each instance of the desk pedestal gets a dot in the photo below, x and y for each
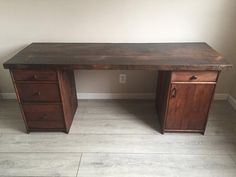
(183, 99)
(47, 98)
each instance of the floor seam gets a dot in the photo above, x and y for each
(143, 153)
(79, 165)
(32, 176)
(134, 134)
(196, 135)
(231, 156)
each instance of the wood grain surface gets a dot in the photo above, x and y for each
(130, 56)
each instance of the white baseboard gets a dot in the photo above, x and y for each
(80, 96)
(147, 96)
(232, 101)
(108, 96)
(220, 96)
(8, 96)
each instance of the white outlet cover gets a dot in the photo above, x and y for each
(122, 78)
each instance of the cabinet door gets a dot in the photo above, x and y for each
(188, 106)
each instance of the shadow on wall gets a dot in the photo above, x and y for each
(6, 53)
(226, 45)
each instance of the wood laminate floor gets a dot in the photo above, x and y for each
(114, 138)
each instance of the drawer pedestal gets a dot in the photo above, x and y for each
(47, 98)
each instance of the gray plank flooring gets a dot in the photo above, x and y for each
(39, 164)
(155, 165)
(118, 138)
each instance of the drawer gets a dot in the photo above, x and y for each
(34, 75)
(45, 124)
(37, 112)
(194, 76)
(38, 92)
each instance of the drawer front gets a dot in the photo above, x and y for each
(38, 92)
(37, 112)
(34, 75)
(45, 124)
(192, 76)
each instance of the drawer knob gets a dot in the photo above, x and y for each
(35, 76)
(37, 94)
(44, 117)
(193, 77)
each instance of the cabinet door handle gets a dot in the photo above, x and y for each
(173, 92)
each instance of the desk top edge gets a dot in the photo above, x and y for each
(130, 56)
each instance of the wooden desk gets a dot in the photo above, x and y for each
(43, 77)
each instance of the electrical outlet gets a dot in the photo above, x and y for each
(122, 78)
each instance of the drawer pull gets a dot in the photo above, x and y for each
(35, 76)
(37, 94)
(173, 93)
(193, 77)
(44, 117)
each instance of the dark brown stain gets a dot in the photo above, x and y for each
(43, 78)
(130, 56)
(183, 104)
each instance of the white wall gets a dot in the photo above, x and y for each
(26, 21)
(233, 91)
